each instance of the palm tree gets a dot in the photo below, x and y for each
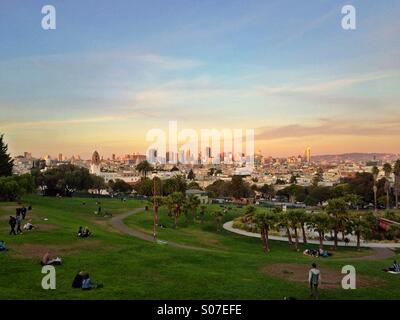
(193, 203)
(396, 171)
(337, 211)
(387, 168)
(219, 216)
(319, 223)
(303, 219)
(203, 209)
(177, 201)
(144, 167)
(157, 203)
(294, 219)
(358, 225)
(265, 221)
(186, 211)
(284, 222)
(375, 173)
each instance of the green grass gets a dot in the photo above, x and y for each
(131, 268)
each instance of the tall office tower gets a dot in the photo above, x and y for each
(307, 155)
(60, 157)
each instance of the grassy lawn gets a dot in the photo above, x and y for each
(129, 268)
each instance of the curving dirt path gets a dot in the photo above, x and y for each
(379, 254)
(118, 223)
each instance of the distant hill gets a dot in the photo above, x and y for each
(357, 157)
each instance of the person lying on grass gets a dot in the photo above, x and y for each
(394, 268)
(29, 226)
(46, 260)
(3, 246)
(317, 253)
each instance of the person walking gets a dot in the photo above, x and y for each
(19, 219)
(314, 279)
(23, 211)
(12, 222)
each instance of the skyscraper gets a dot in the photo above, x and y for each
(307, 155)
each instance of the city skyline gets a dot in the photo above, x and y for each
(286, 69)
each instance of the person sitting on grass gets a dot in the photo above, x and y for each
(46, 260)
(394, 268)
(77, 283)
(87, 283)
(86, 232)
(29, 226)
(80, 231)
(311, 252)
(3, 246)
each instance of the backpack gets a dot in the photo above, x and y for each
(314, 278)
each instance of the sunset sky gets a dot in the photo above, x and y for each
(114, 69)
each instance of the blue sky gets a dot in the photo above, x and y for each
(114, 69)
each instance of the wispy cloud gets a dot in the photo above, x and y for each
(333, 127)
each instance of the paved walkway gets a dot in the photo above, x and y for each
(229, 227)
(118, 223)
(381, 250)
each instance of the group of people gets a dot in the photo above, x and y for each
(317, 253)
(84, 232)
(15, 222)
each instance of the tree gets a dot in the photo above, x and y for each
(177, 201)
(396, 171)
(193, 185)
(387, 168)
(219, 217)
(144, 167)
(238, 188)
(203, 209)
(266, 220)
(13, 187)
(293, 193)
(64, 180)
(120, 186)
(337, 211)
(283, 221)
(359, 225)
(175, 184)
(319, 223)
(193, 203)
(375, 173)
(293, 179)
(144, 187)
(361, 184)
(97, 183)
(6, 162)
(267, 191)
(294, 219)
(318, 177)
(303, 218)
(157, 202)
(191, 175)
